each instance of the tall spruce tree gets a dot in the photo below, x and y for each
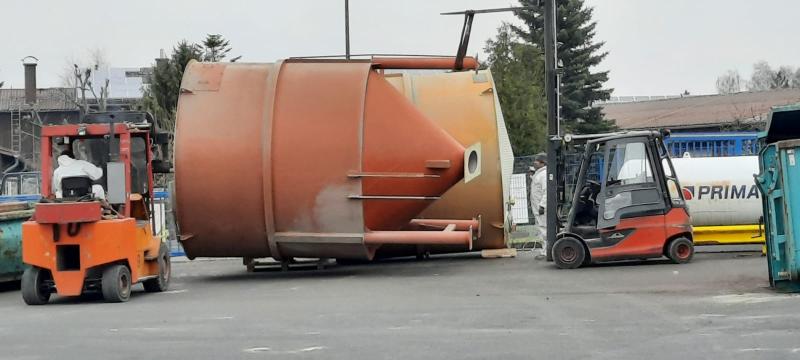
(579, 52)
(216, 48)
(518, 72)
(161, 97)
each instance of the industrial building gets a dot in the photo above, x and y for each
(20, 122)
(703, 113)
(23, 111)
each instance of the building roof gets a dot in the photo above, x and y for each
(47, 99)
(699, 111)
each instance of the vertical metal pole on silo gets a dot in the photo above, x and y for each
(553, 131)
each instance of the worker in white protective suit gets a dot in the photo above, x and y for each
(538, 196)
(69, 167)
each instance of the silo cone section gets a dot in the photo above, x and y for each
(465, 105)
(412, 160)
(304, 159)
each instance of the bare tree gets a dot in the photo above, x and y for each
(98, 58)
(795, 83)
(783, 77)
(729, 83)
(763, 77)
(78, 75)
(81, 76)
(67, 75)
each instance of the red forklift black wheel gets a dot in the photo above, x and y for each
(569, 253)
(160, 283)
(35, 290)
(680, 250)
(116, 283)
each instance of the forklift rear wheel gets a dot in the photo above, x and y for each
(680, 250)
(34, 288)
(569, 253)
(160, 283)
(116, 283)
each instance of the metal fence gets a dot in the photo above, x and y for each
(521, 182)
(520, 188)
(712, 144)
(160, 206)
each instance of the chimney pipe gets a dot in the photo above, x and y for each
(30, 79)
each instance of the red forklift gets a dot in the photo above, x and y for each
(626, 204)
(97, 234)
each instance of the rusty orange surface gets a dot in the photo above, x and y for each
(286, 159)
(316, 141)
(463, 104)
(101, 242)
(218, 158)
(398, 138)
(458, 238)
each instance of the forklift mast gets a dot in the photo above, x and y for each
(553, 123)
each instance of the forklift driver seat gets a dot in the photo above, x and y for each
(74, 187)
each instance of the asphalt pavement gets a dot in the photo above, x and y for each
(448, 307)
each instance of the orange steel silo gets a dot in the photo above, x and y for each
(309, 158)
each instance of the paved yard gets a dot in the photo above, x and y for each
(455, 307)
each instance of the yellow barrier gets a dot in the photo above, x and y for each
(728, 235)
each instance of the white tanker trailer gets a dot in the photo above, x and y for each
(723, 200)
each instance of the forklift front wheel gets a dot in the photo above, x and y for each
(680, 250)
(116, 283)
(35, 290)
(569, 253)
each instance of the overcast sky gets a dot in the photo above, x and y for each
(655, 47)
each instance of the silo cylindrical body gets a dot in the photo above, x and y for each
(305, 158)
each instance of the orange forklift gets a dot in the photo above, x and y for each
(626, 204)
(96, 234)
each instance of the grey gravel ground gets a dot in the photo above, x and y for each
(448, 307)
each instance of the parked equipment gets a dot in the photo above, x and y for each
(12, 215)
(80, 242)
(779, 182)
(626, 204)
(19, 187)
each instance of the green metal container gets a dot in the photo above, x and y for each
(11, 219)
(779, 182)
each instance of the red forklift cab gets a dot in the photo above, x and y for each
(626, 205)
